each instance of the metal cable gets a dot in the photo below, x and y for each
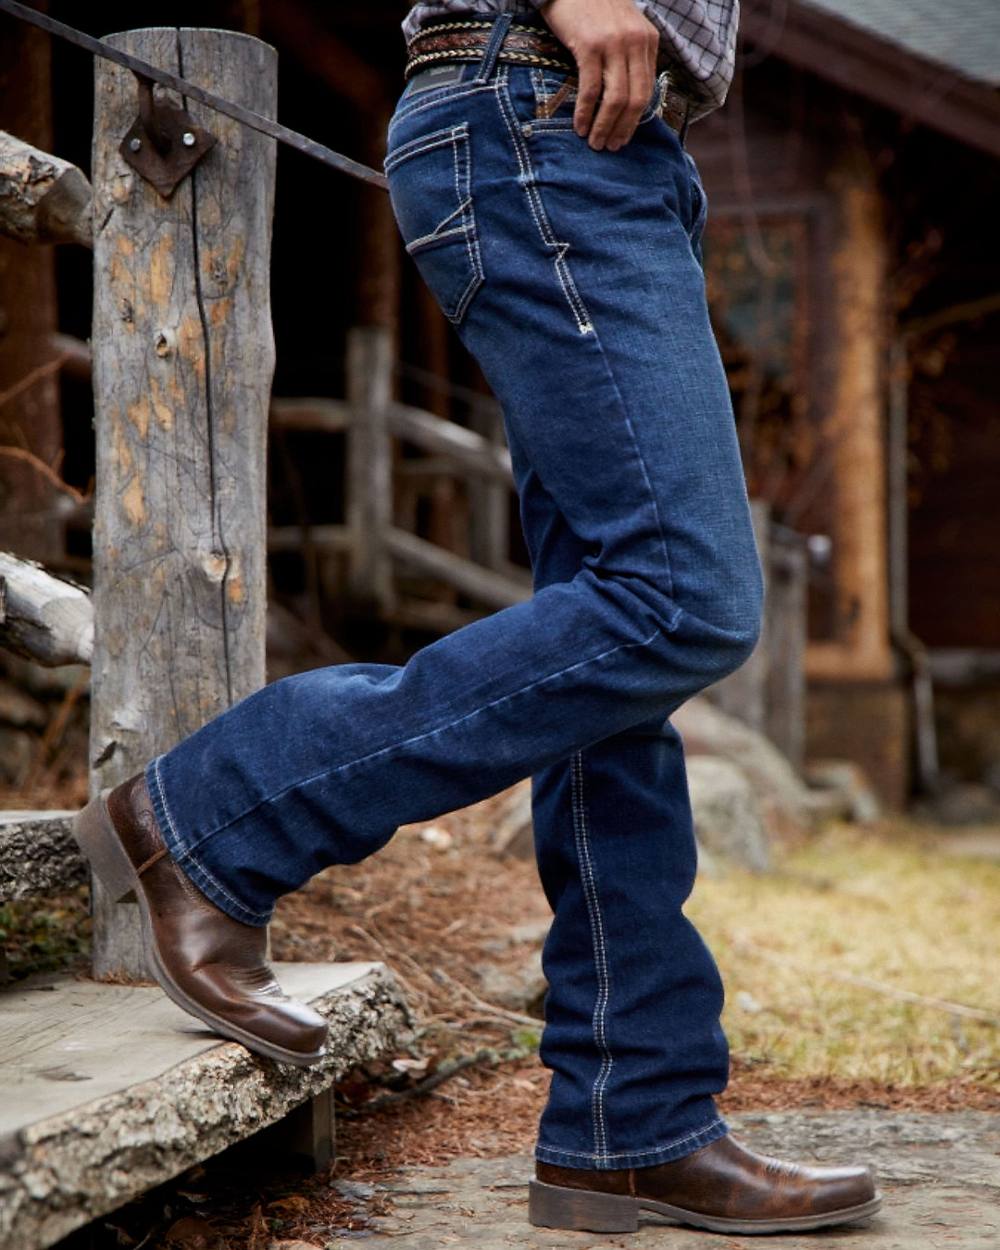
(245, 116)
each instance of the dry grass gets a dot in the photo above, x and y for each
(878, 904)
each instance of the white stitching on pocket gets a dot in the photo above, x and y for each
(443, 95)
(529, 183)
(423, 143)
(439, 232)
(452, 296)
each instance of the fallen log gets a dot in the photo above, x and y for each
(43, 199)
(44, 618)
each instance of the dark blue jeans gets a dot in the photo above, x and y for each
(573, 277)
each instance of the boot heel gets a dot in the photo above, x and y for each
(559, 1206)
(96, 837)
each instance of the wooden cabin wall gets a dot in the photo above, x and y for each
(899, 221)
(947, 200)
(30, 429)
(947, 204)
(788, 157)
(793, 166)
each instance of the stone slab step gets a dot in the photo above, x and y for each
(107, 1090)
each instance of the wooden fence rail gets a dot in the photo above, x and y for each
(376, 547)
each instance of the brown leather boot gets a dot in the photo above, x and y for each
(722, 1187)
(209, 964)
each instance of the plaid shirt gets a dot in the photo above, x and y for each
(697, 37)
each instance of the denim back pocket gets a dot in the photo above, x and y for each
(430, 185)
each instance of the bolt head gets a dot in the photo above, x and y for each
(188, 139)
(134, 144)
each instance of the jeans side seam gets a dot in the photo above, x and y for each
(584, 321)
(431, 733)
(630, 427)
(538, 213)
(581, 831)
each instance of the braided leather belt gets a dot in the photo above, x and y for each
(467, 40)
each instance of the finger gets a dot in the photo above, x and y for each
(640, 88)
(588, 91)
(614, 98)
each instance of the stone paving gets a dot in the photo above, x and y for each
(940, 1174)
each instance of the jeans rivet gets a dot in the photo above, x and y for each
(526, 128)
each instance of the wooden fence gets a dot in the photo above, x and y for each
(174, 631)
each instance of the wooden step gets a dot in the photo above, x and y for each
(107, 1090)
(38, 855)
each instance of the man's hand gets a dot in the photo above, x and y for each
(615, 47)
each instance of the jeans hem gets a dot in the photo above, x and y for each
(213, 890)
(667, 1153)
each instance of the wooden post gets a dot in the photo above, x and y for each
(489, 512)
(369, 467)
(308, 1133)
(785, 623)
(855, 428)
(743, 693)
(183, 360)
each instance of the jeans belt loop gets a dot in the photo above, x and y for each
(682, 132)
(497, 35)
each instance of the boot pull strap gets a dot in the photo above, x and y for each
(153, 859)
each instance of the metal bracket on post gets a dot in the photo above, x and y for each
(164, 143)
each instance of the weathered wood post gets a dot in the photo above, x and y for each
(744, 692)
(786, 625)
(183, 360)
(369, 467)
(489, 513)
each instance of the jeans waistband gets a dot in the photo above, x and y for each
(525, 41)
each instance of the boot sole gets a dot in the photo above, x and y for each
(586, 1210)
(97, 838)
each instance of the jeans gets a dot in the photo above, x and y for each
(573, 277)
